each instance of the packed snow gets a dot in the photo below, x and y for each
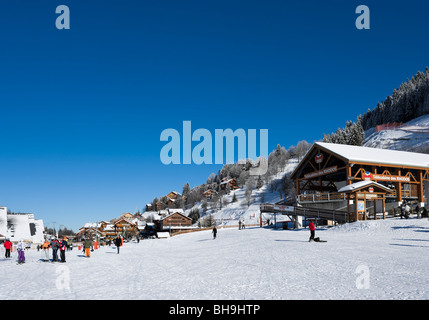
(383, 259)
(411, 136)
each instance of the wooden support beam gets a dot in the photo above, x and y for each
(420, 188)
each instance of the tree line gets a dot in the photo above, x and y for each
(409, 101)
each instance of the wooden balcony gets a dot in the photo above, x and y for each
(331, 197)
(321, 197)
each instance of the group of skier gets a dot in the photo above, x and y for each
(55, 244)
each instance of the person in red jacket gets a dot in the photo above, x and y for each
(312, 228)
(7, 246)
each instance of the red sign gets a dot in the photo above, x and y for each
(371, 189)
(318, 158)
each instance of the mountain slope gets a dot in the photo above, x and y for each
(410, 136)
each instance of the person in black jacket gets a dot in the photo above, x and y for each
(214, 232)
(63, 247)
(118, 242)
(55, 246)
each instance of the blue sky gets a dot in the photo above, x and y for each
(82, 110)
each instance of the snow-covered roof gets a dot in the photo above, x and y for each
(175, 210)
(376, 155)
(90, 225)
(362, 184)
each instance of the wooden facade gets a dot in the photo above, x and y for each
(232, 184)
(357, 196)
(326, 166)
(175, 222)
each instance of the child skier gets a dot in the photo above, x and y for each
(21, 248)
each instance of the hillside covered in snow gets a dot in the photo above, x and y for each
(410, 136)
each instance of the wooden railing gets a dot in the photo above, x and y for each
(326, 214)
(321, 197)
(327, 197)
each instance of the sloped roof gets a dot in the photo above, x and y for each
(362, 184)
(377, 156)
(174, 214)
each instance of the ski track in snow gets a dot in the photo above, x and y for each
(254, 263)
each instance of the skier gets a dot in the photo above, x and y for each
(45, 252)
(63, 247)
(54, 245)
(424, 212)
(118, 242)
(312, 228)
(21, 248)
(418, 211)
(239, 224)
(214, 231)
(87, 244)
(7, 245)
(407, 211)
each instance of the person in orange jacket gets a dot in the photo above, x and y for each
(7, 245)
(45, 250)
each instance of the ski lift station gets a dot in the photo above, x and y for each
(345, 183)
(361, 181)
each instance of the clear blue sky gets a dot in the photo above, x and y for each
(81, 110)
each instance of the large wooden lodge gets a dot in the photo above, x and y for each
(360, 180)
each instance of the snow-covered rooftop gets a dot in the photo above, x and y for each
(376, 155)
(362, 184)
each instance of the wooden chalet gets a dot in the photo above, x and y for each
(125, 226)
(332, 174)
(173, 195)
(91, 230)
(175, 222)
(232, 184)
(160, 206)
(209, 193)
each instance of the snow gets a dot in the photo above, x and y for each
(383, 259)
(377, 155)
(409, 136)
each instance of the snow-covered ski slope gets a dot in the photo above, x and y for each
(384, 259)
(408, 137)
